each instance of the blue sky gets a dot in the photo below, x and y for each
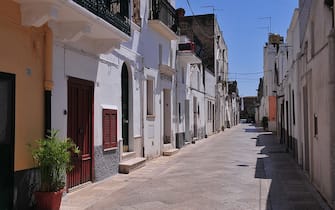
(245, 24)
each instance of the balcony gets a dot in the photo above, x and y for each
(102, 10)
(163, 19)
(189, 52)
(89, 25)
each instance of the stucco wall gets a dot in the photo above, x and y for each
(23, 56)
(315, 26)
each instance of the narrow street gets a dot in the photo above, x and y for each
(240, 168)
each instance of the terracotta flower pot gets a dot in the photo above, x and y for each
(48, 200)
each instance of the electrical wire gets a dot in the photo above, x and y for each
(195, 20)
(249, 73)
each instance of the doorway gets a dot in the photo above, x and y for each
(195, 117)
(213, 119)
(306, 130)
(80, 129)
(7, 131)
(125, 107)
(187, 120)
(167, 116)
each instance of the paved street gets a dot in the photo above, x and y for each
(240, 168)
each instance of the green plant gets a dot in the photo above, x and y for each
(265, 122)
(53, 156)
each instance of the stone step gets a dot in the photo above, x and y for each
(170, 152)
(125, 167)
(128, 156)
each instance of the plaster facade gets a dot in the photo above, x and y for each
(306, 93)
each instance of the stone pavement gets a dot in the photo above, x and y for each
(241, 168)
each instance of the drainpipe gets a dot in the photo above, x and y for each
(142, 80)
(177, 109)
(48, 83)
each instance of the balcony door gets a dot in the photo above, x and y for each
(120, 8)
(7, 127)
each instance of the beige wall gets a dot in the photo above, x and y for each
(22, 49)
(315, 77)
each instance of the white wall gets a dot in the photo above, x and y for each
(68, 63)
(149, 41)
(210, 82)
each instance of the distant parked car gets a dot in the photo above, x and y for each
(243, 120)
(250, 120)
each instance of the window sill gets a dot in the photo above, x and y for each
(110, 149)
(151, 117)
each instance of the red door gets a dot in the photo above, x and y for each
(80, 129)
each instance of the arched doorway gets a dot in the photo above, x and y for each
(125, 100)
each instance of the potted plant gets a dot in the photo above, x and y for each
(53, 157)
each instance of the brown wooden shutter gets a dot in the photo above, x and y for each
(109, 126)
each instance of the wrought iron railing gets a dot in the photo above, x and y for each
(102, 9)
(163, 11)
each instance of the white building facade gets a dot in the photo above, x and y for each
(306, 90)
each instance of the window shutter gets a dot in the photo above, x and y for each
(109, 128)
(114, 128)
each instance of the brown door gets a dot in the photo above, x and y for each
(7, 127)
(80, 129)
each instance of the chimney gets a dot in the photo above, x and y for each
(180, 12)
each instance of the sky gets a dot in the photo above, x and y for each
(245, 25)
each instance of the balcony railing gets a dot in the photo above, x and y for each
(102, 9)
(163, 11)
(192, 47)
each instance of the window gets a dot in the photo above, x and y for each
(179, 112)
(293, 107)
(198, 79)
(312, 39)
(208, 110)
(160, 54)
(150, 97)
(136, 12)
(120, 8)
(316, 125)
(109, 125)
(183, 75)
(171, 57)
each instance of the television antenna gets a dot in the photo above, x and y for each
(212, 7)
(268, 27)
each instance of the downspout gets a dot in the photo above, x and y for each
(177, 110)
(142, 80)
(48, 83)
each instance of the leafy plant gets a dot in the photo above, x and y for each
(53, 156)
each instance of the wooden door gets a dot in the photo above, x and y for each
(167, 116)
(7, 125)
(80, 130)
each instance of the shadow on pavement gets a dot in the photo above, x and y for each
(253, 130)
(289, 188)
